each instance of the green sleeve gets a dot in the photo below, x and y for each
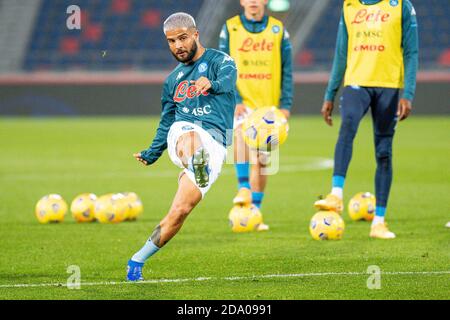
(287, 85)
(339, 63)
(410, 44)
(226, 74)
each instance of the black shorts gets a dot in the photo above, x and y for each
(383, 102)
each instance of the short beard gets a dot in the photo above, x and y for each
(190, 56)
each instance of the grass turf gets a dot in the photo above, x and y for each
(74, 155)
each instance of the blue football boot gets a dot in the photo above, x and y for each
(134, 271)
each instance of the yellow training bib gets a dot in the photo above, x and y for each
(375, 54)
(258, 59)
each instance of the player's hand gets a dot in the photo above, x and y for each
(240, 110)
(286, 113)
(202, 85)
(139, 158)
(327, 110)
(404, 109)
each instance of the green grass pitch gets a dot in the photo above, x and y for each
(74, 155)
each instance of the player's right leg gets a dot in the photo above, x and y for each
(355, 102)
(242, 164)
(186, 198)
(194, 157)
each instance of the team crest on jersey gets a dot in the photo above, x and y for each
(202, 67)
(393, 3)
(275, 29)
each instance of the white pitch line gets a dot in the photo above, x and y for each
(200, 279)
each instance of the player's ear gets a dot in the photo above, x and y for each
(196, 34)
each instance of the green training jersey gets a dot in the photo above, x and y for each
(212, 110)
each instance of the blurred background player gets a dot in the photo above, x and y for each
(260, 46)
(198, 102)
(377, 51)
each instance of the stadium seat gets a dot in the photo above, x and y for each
(131, 32)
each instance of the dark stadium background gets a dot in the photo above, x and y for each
(116, 63)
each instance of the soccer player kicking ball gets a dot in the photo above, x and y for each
(377, 50)
(198, 103)
(260, 46)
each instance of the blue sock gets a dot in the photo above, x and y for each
(338, 181)
(242, 171)
(380, 211)
(257, 198)
(146, 252)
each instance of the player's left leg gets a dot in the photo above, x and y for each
(384, 117)
(186, 198)
(258, 180)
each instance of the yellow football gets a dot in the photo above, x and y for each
(135, 205)
(265, 129)
(244, 218)
(326, 225)
(362, 206)
(51, 208)
(83, 206)
(110, 208)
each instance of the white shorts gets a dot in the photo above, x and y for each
(217, 152)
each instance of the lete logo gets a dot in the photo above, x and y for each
(184, 90)
(251, 45)
(365, 16)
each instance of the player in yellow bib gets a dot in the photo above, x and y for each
(377, 55)
(260, 46)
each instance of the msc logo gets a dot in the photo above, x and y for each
(201, 111)
(185, 91)
(369, 34)
(250, 44)
(256, 63)
(364, 15)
